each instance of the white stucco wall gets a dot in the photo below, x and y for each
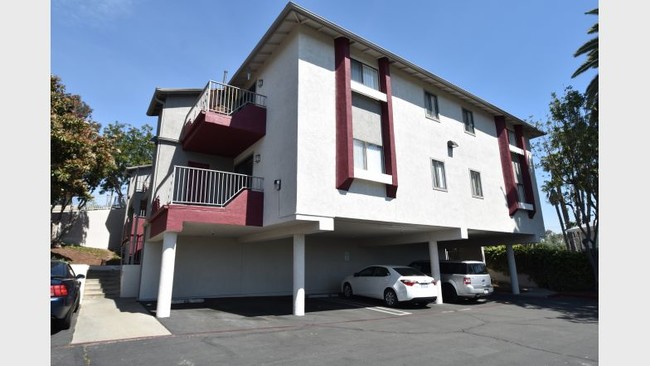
(418, 140)
(218, 267)
(277, 148)
(97, 228)
(130, 280)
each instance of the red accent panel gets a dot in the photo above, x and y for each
(246, 209)
(506, 164)
(343, 73)
(525, 167)
(138, 233)
(220, 134)
(387, 131)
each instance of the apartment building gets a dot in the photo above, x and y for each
(322, 154)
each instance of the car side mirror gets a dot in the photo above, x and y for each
(356, 274)
(80, 276)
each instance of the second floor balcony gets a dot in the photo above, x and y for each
(195, 195)
(225, 120)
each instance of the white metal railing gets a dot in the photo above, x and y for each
(197, 186)
(224, 99)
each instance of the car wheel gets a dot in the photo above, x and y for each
(449, 293)
(390, 298)
(347, 291)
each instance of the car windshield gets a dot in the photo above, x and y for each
(476, 268)
(408, 271)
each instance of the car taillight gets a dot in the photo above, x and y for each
(58, 290)
(408, 282)
(467, 281)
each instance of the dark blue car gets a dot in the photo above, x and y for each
(65, 293)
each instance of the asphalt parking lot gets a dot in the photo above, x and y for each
(504, 330)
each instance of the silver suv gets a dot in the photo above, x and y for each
(460, 279)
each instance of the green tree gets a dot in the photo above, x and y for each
(553, 239)
(590, 49)
(569, 154)
(131, 147)
(79, 156)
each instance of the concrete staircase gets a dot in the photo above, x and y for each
(102, 282)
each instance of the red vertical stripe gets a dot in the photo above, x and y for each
(506, 164)
(343, 73)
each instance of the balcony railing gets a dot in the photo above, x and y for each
(223, 99)
(197, 186)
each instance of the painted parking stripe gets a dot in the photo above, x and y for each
(389, 311)
(376, 308)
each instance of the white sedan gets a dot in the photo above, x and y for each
(393, 284)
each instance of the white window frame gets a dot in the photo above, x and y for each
(364, 71)
(475, 182)
(517, 172)
(431, 109)
(512, 138)
(364, 148)
(439, 175)
(468, 121)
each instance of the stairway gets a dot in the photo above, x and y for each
(102, 282)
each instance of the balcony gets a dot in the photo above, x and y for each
(206, 196)
(225, 121)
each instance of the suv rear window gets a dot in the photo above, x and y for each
(463, 268)
(476, 268)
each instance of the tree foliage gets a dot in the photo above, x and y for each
(590, 49)
(79, 155)
(131, 147)
(570, 156)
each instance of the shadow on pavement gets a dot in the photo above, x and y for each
(255, 306)
(577, 309)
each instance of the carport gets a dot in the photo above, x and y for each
(309, 256)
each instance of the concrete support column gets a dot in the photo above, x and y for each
(512, 266)
(435, 268)
(168, 259)
(299, 274)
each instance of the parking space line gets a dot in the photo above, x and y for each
(389, 311)
(377, 308)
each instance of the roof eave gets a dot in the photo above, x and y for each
(160, 94)
(416, 71)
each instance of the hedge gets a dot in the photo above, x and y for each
(549, 266)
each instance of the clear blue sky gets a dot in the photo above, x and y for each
(511, 53)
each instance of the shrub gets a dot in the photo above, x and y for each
(549, 266)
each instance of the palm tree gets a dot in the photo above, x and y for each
(590, 48)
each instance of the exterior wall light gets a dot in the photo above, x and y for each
(260, 82)
(452, 144)
(277, 184)
(258, 158)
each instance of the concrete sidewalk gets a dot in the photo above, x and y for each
(105, 319)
